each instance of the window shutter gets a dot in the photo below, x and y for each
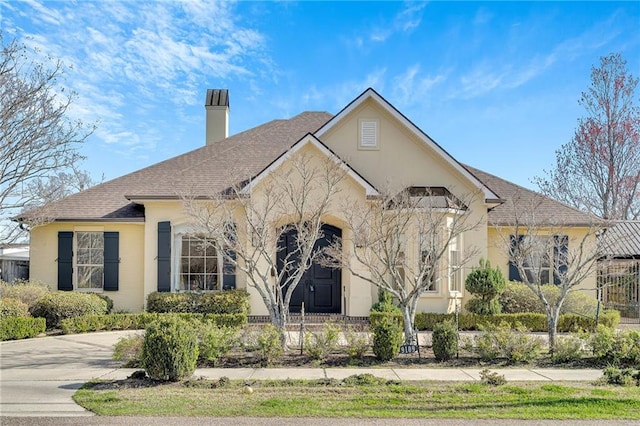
(164, 256)
(560, 251)
(65, 261)
(514, 274)
(228, 267)
(369, 133)
(111, 260)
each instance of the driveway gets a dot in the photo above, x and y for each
(38, 377)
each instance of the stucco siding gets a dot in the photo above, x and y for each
(44, 253)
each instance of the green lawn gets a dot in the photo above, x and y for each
(384, 399)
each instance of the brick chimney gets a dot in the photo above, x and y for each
(217, 106)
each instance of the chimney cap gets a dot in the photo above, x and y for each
(217, 97)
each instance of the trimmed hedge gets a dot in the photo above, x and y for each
(532, 321)
(140, 321)
(13, 328)
(59, 305)
(226, 302)
(518, 298)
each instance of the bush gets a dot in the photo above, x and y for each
(445, 341)
(13, 328)
(616, 348)
(387, 338)
(268, 345)
(108, 300)
(568, 349)
(129, 350)
(318, 345)
(487, 284)
(215, 341)
(226, 302)
(170, 349)
(12, 308)
(621, 377)
(517, 297)
(517, 346)
(385, 303)
(139, 321)
(58, 305)
(358, 342)
(532, 321)
(491, 378)
(28, 292)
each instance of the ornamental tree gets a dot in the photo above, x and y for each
(598, 170)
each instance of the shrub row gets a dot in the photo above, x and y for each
(532, 321)
(517, 298)
(139, 321)
(226, 302)
(12, 328)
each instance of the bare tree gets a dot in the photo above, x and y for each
(406, 244)
(249, 225)
(37, 138)
(599, 169)
(545, 255)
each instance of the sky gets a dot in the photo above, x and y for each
(496, 84)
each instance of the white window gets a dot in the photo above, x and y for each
(200, 266)
(537, 263)
(90, 260)
(369, 134)
(427, 261)
(455, 269)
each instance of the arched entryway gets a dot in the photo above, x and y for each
(320, 287)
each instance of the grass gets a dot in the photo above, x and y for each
(332, 398)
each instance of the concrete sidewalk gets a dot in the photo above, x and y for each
(434, 374)
(38, 377)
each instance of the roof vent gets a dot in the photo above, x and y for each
(217, 120)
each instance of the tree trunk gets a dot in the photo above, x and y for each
(408, 314)
(552, 324)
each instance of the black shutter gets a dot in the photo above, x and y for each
(164, 256)
(514, 274)
(228, 262)
(560, 250)
(111, 260)
(65, 261)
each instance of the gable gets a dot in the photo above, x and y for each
(391, 152)
(310, 145)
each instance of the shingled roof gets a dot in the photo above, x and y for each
(517, 197)
(206, 171)
(201, 172)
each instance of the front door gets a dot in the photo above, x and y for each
(320, 286)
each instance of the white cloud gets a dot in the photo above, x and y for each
(406, 20)
(140, 55)
(412, 86)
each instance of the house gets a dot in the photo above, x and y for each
(619, 269)
(14, 262)
(129, 237)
